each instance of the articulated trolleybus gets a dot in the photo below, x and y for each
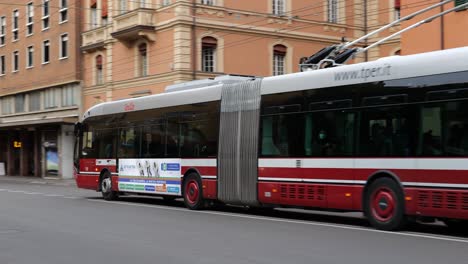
(388, 137)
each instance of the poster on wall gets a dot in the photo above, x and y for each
(158, 176)
(52, 161)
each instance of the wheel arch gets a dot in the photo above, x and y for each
(186, 173)
(101, 176)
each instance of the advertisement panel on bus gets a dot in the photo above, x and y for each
(157, 176)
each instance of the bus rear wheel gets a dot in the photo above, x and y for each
(106, 188)
(193, 192)
(384, 205)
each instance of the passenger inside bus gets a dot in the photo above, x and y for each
(429, 147)
(324, 146)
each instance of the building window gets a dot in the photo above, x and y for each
(165, 2)
(15, 25)
(279, 55)
(94, 15)
(50, 100)
(30, 19)
(64, 46)
(99, 77)
(122, 6)
(45, 14)
(207, 2)
(30, 57)
(141, 3)
(68, 95)
(15, 61)
(2, 30)
(104, 12)
(333, 11)
(63, 11)
(396, 10)
(19, 103)
(2, 65)
(34, 101)
(209, 45)
(278, 7)
(46, 51)
(143, 59)
(7, 105)
(461, 2)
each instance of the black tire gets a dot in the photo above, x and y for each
(106, 188)
(384, 205)
(193, 192)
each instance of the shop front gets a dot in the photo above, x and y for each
(42, 150)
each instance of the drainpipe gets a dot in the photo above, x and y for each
(442, 27)
(366, 54)
(194, 40)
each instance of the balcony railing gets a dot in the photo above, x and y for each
(95, 38)
(135, 24)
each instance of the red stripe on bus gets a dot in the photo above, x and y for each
(203, 170)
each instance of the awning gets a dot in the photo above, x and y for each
(40, 121)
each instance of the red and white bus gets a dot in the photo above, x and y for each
(388, 137)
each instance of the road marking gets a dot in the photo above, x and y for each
(14, 191)
(287, 221)
(39, 193)
(38, 182)
(54, 195)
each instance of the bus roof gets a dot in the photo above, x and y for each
(388, 68)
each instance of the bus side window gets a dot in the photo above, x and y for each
(128, 143)
(172, 138)
(282, 135)
(455, 125)
(105, 138)
(388, 131)
(89, 145)
(268, 146)
(329, 134)
(431, 132)
(151, 142)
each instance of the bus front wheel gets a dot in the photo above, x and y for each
(106, 187)
(193, 192)
(384, 205)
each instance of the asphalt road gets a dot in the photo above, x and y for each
(52, 224)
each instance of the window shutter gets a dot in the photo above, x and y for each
(397, 4)
(99, 62)
(104, 10)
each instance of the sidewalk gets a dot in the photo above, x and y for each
(37, 180)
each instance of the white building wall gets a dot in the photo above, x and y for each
(66, 153)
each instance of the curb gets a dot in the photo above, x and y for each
(37, 181)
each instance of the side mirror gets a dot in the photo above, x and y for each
(78, 129)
